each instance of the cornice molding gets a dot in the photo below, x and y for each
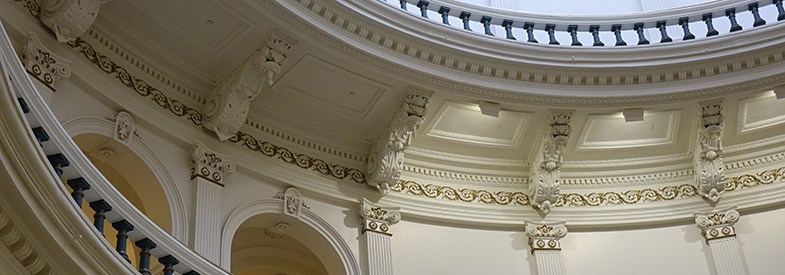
(464, 176)
(462, 158)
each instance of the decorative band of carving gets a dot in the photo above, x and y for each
(301, 160)
(665, 193)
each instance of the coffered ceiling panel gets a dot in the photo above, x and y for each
(464, 123)
(325, 86)
(760, 112)
(612, 132)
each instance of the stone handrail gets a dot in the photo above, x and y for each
(71, 164)
(703, 13)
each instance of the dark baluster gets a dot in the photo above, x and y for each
(638, 27)
(709, 25)
(144, 256)
(423, 5)
(780, 9)
(122, 227)
(731, 14)
(100, 207)
(445, 12)
(168, 262)
(616, 29)
(465, 18)
(573, 30)
(507, 24)
(753, 7)
(551, 36)
(595, 33)
(40, 134)
(403, 4)
(58, 161)
(663, 31)
(529, 27)
(684, 22)
(79, 185)
(192, 272)
(26, 109)
(486, 24)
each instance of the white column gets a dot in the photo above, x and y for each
(545, 246)
(376, 236)
(209, 169)
(717, 228)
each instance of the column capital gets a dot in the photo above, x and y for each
(385, 161)
(545, 235)
(42, 64)
(226, 110)
(377, 218)
(717, 224)
(210, 165)
(546, 167)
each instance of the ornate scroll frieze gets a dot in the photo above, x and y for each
(717, 224)
(226, 110)
(43, 64)
(545, 235)
(210, 165)
(544, 185)
(377, 218)
(709, 169)
(386, 159)
(69, 19)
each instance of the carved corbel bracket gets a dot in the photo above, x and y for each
(377, 218)
(709, 168)
(385, 161)
(226, 110)
(717, 224)
(42, 64)
(210, 165)
(69, 19)
(544, 184)
(545, 235)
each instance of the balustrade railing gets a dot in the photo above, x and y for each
(622, 29)
(89, 185)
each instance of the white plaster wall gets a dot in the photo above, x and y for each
(762, 241)
(435, 250)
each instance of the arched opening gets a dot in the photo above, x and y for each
(258, 249)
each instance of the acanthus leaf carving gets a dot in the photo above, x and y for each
(545, 235)
(69, 19)
(709, 167)
(124, 127)
(378, 218)
(292, 202)
(546, 167)
(210, 165)
(226, 110)
(717, 224)
(43, 64)
(385, 162)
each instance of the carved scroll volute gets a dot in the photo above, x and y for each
(385, 161)
(69, 19)
(717, 224)
(377, 218)
(42, 64)
(210, 165)
(545, 235)
(709, 167)
(545, 173)
(226, 110)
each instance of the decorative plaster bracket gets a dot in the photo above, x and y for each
(544, 185)
(709, 168)
(717, 224)
(386, 159)
(43, 64)
(69, 19)
(377, 218)
(210, 165)
(545, 235)
(226, 110)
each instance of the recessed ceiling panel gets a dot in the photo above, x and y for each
(611, 131)
(464, 123)
(328, 87)
(760, 112)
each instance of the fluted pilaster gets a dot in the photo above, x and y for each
(717, 228)
(376, 236)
